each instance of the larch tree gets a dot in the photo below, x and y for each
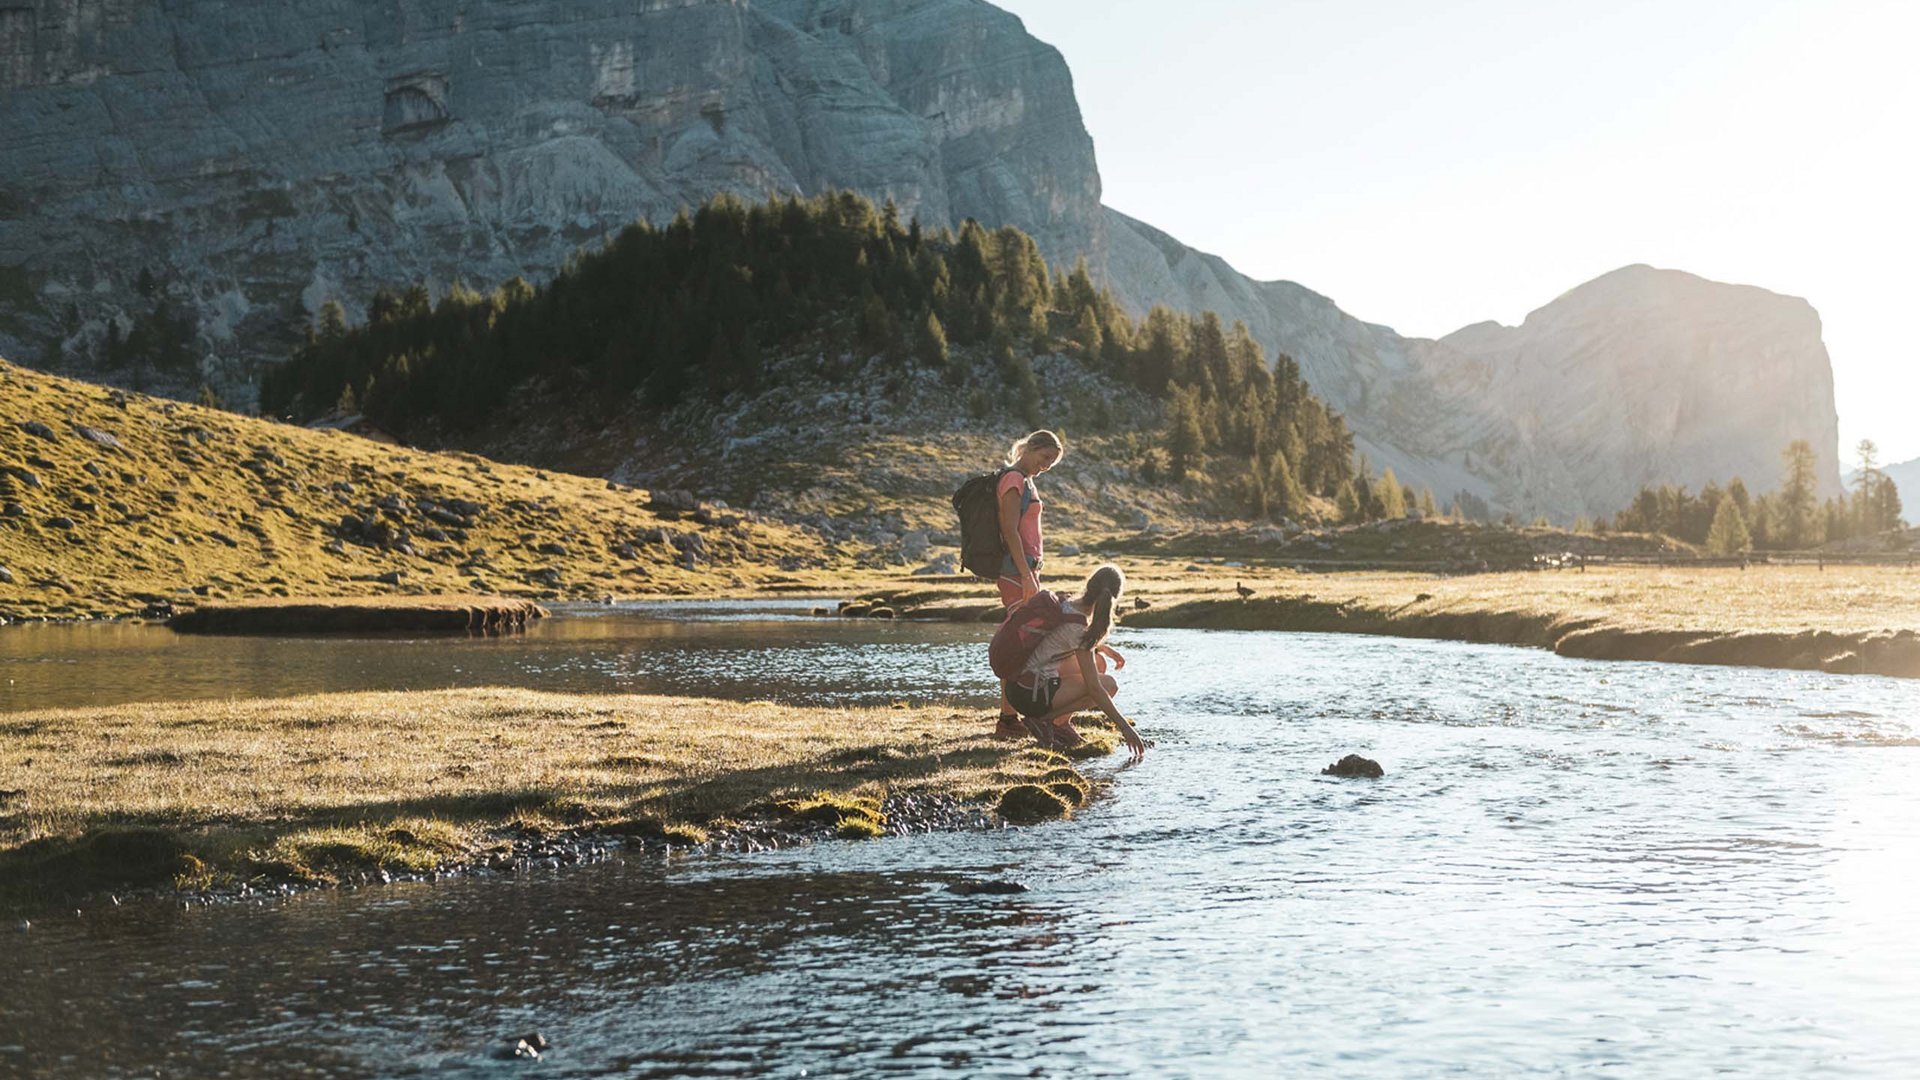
(1728, 534)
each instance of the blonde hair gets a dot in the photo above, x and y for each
(1039, 440)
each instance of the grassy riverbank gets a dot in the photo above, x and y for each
(1850, 619)
(308, 790)
(1844, 619)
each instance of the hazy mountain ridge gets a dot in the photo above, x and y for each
(263, 161)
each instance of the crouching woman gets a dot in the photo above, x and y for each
(1065, 672)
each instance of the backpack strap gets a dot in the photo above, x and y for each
(1028, 493)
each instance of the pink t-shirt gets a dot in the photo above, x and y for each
(1029, 527)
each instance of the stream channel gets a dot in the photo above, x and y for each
(1571, 867)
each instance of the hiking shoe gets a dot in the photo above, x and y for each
(1010, 727)
(1041, 732)
(1065, 735)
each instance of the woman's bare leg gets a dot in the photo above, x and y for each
(1073, 696)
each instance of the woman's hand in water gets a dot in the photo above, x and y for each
(1136, 747)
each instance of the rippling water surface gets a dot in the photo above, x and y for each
(1571, 867)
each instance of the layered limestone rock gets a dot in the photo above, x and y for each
(258, 160)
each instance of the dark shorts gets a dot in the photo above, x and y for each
(1032, 700)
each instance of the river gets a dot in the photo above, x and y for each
(1570, 867)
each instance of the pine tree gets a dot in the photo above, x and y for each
(1186, 439)
(1347, 503)
(1393, 503)
(1729, 535)
(1086, 331)
(1798, 503)
(1284, 494)
(933, 341)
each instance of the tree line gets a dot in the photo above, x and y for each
(661, 313)
(1731, 520)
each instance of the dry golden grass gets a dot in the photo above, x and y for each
(198, 502)
(302, 788)
(1844, 618)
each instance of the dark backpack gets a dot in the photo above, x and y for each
(1027, 622)
(982, 549)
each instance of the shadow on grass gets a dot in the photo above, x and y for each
(140, 851)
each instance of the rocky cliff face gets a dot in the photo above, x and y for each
(259, 159)
(1643, 376)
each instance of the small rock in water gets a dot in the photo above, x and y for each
(526, 1046)
(986, 888)
(1355, 765)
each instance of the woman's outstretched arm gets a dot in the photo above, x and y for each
(1097, 690)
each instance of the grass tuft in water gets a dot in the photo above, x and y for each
(1024, 804)
(854, 817)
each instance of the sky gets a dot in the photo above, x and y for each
(1434, 163)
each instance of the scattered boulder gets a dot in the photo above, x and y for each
(1353, 765)
(944, 564)
(100, 438)
(13, 509)
(913, 546)
(35, 427)
(1067, 550)
(60, 522)
(678, 501)
(552, 548)
(6, 576)
(25, 476)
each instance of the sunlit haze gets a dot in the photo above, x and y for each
(1433, 165)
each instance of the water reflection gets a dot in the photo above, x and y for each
(765, 649)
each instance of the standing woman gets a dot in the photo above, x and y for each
(1020, 507)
